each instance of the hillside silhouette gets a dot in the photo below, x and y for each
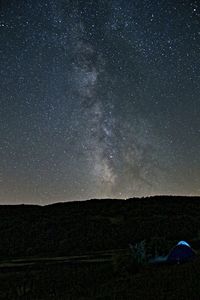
(96, 225)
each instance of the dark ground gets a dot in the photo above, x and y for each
(37, 245)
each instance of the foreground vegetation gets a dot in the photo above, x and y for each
(103, 280)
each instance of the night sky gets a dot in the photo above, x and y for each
(99, 99)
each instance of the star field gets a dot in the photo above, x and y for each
(99, 99)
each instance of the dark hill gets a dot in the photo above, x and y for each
(88, 226)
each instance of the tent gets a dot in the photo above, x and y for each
(182, 252)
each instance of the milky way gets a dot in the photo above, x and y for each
(99, 99)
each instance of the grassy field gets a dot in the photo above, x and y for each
(96, 278)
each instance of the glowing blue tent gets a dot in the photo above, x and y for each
(182, 252)
(183, 243)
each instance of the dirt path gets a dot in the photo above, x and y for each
(100, 256)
